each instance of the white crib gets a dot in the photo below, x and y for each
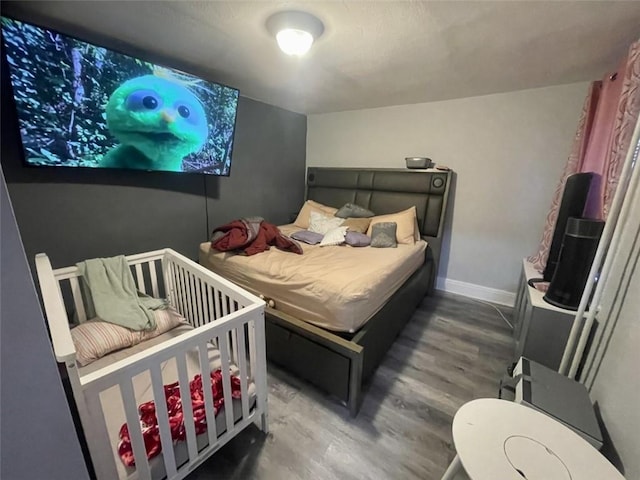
(223, 315)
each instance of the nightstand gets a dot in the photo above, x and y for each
(541, 330)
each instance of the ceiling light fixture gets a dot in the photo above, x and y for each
(294, 31)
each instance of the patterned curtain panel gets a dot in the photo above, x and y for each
(604, 133)
(599, 147)
(626, 118)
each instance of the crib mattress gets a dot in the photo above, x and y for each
(114, 412)
(338, 287)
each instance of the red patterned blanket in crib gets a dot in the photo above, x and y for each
(149, 421)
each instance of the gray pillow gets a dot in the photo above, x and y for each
(354, 211)
(383, 235)
(357, 239)
(312, 238)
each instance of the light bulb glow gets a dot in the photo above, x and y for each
(294, 42)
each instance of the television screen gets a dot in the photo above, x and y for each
(81, 105)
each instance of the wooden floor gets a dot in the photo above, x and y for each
(453, 350)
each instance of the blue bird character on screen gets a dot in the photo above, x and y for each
(157, 120)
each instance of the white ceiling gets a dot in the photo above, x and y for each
(371, 54)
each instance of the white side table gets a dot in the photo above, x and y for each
(540, 329)
(497, 439)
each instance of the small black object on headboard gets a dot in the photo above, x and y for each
(387, 191)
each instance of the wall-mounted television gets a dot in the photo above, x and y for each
(82, 105)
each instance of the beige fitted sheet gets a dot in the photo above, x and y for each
(338, 287)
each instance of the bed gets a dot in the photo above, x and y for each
(335, 288)
(336, 340)
(213, 347)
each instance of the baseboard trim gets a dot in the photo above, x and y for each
(493, 295)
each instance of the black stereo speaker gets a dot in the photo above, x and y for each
(579, 246)
(572, 204)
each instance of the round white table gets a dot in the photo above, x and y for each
(497, 439)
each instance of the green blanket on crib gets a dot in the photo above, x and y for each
(113, 296)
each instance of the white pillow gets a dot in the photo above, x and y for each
(321, 223)
(302, 220)
(334, 237)
(94, 338)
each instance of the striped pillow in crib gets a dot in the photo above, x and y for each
(94, 338)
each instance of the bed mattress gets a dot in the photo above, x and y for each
(337, 288)
(114, 411)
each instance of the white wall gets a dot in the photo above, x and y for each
(508, 151)
(617, 386)
(612, 363)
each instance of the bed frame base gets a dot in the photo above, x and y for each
(334, 363)
(338, 365)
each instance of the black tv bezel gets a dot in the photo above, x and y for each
(119, 51)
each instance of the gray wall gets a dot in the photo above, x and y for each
(72, 215)
(268, 169)
(37, 436)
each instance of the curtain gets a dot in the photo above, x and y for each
(573, 165)
(600, 145)
(626, 118)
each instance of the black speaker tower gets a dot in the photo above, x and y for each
(572, 204)
(579, 246)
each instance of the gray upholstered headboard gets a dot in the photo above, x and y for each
(385, 191)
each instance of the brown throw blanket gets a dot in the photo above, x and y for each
(251, 235)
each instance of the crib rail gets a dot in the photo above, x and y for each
(122, 373)
(223, 316)
(197, 293)
(190, 291)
